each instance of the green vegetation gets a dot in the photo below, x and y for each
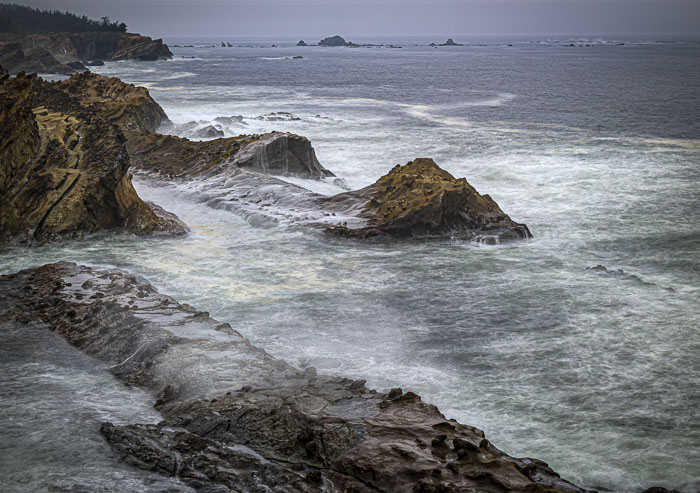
(26, 20)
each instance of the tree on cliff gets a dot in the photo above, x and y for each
(26, 20)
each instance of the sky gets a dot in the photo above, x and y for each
(314, 19)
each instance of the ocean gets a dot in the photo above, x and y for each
(593, 143)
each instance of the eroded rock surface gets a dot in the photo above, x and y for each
(422, 199)
(130, 107)
(63, 174)
(237, 419)
(275, 153)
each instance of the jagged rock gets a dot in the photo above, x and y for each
(275, 153)
(64, 174)
(208, 132)
(71, 48)
(128, 106)
(421, 199)
(302, 43)
(229, 45)
(237, 418)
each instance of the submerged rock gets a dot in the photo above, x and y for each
(64, 174)
(239, 419)
(422, 199)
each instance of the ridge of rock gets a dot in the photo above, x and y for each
(239, 419)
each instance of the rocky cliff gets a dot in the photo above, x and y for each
(65, 173)
(63, 52)
(237, 419)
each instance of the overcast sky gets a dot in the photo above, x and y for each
(316, 18)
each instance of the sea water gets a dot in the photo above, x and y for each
(595, 146)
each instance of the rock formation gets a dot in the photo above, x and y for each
(450, 42)
(335, 41)
(65, 173)
(237, 419)
(128, 106)
(421, 199)
(302, 43)
(63, 52)
(274, 153)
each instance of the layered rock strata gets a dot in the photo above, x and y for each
(237, 419)
(62, 52)
(63, 174)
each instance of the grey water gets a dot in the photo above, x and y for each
(596, 148)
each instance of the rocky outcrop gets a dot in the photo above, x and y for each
(63, 52)
(335, 41)
(124, 104)
(421, 199)
(63, 174)
(275, 153)
(14, 58)
(237, 419)
(450, 42)
(302, 43)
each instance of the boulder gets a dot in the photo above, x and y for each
(421, 199)
(64, 174)
(237, 419)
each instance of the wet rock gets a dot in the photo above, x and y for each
(450, 42)
(275, 153)
(234, 417)
(420, 199)
(335, 41)
(208, 132)
(65, 174)
(302, 43)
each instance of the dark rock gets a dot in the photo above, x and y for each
(288, 431)
(335, 41)
(63, 174)
(223, 45)
(450, 42)
(208, 132)
(297, 57)
(302, 43)
(228, 45)
(16, 58)
(94, 63)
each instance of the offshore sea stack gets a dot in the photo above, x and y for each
(422, 199)
(237, 419)
(65, 173)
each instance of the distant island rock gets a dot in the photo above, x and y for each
(335, 41)
(302, 43)
(449, 42)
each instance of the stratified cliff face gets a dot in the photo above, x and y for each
(63, 52)
(275, 153)
(237, 419)
(422, 199)
(124, 104)
(64, 174)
